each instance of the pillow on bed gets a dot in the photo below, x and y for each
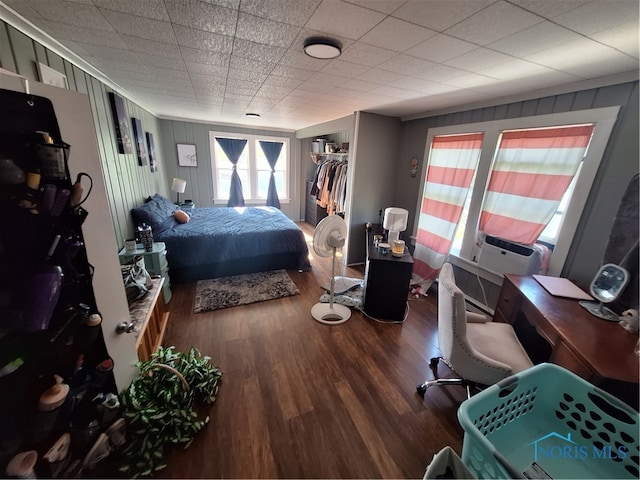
(181, 216)
(156, 212)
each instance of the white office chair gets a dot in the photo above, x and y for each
(479, 351)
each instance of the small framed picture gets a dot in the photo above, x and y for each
(187, 155)
(152, 152)
(139, 141)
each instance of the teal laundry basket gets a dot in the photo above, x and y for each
(546, 422)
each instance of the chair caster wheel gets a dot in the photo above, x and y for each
(421, 389)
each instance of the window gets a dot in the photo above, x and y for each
(252, 168)
(574, 177)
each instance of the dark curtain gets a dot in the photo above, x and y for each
(272, 152)
(233, 148)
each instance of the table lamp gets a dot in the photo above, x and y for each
(178, 185)
(395, 221)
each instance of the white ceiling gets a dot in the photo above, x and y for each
(216, 60)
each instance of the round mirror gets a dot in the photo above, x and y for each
(606, 286)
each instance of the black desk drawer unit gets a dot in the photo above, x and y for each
(386, 283)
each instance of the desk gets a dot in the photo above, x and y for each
(149, 316)
(597, 350)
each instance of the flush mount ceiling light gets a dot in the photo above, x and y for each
(252, 115)
(322, 47)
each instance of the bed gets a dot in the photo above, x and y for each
(223, 241)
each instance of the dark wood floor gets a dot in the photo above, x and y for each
(300, 399)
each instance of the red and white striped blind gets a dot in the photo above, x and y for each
(452, 164)
(531, 173)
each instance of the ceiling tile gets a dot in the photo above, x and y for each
(203, 16)
(159, 72)
(406, 65)
(203, 69)
(534, 39)
(493, 23)
(383, 6)
(282, 81)
(623, 38)
(115, 54)
(439, 15)
(360, 85)
(162, 61)
(142, 8)
(192, 55)
(291, 72)
(280, 10)
(259, 30)
(23, 7)
(345, 69)
(470, 80)
(550, 9)
(478, 59)
(394, 92)
(72, 13)
(327, 79)
(336, 17)
(384, 77)
(108, 38)
(241, 63)
(386, 35)
(514, 69)
(247, 75)
(301, 60)
(440, 48)
(190, 37)
(363, 54)
(568, 55)
(150, 46)
(258, 51)
(140, 26)
(599, 15)
(440, 73)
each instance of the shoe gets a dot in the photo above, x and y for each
(98, 452)
(57, 456)
(117, 433)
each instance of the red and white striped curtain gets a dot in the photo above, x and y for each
(531, 173)
(452, 164)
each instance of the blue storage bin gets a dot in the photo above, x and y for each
(546, 422)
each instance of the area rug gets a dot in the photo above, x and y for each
(228, 292)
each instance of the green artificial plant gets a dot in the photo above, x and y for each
(159, 406)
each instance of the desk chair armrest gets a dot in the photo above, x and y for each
(473, 317)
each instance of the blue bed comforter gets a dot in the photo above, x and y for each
(217, 235)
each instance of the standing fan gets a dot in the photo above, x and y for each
(327, 238)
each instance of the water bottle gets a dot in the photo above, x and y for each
(146, 237)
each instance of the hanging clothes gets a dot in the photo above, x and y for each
(329, 185)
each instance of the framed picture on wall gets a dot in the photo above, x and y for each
(140, 142)
(152, 152)
(121, 124)
(187, 155)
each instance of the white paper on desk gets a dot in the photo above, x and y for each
(562, 287)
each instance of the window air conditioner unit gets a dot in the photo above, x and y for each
(502, 256)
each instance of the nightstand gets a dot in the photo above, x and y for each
(386, 283)
(155, 262)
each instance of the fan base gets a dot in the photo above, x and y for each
(330, 314)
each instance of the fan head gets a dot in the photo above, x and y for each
(330, 233)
